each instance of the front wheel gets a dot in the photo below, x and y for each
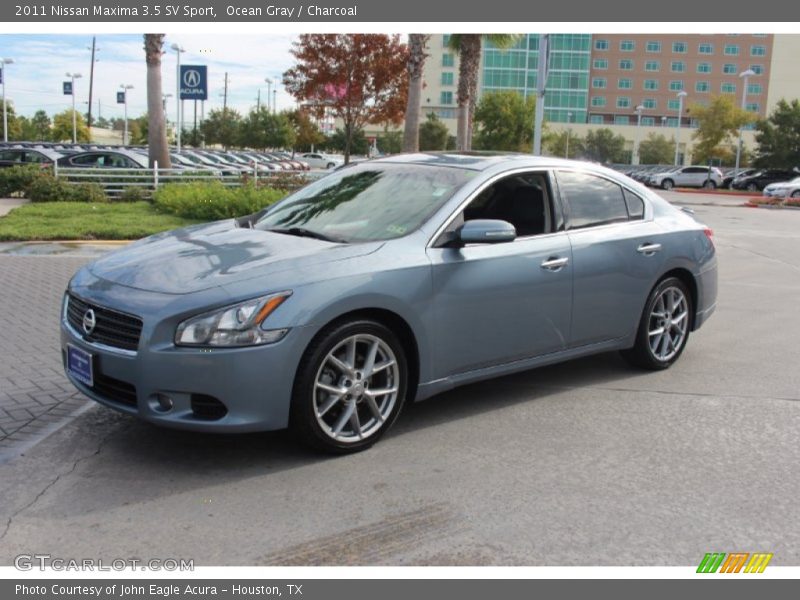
(663, 327)
(796, 194)
(710, 185)
(350, 387)
(752, 187)
(331, 165)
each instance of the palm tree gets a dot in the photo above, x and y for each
(157, 147)
(416, 62)
(468, 47)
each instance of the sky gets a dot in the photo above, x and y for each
(34, 81)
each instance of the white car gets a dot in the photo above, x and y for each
(784, 189)
(693, 176)
(317, 160)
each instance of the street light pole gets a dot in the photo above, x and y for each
(745, 75)
(125, 89)
(566, 151)
(268, 81)
(3, 63)
(179, 125)
(73, 77)
(639, 110)
(275, 100)
(681, 95)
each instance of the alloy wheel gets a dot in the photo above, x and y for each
(668, 324)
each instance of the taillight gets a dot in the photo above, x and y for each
(709, 234)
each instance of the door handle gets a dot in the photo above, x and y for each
(648, 249)
(554, 263)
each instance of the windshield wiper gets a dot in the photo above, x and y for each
(302, 232)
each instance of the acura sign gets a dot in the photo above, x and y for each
(194, 82)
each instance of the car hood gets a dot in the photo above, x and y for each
(205, 256)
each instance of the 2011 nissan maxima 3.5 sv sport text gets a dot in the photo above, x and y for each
(386, 282)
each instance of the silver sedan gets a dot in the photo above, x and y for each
(385, 283)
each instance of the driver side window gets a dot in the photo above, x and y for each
(522, 200)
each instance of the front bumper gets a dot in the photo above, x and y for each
(252, 384)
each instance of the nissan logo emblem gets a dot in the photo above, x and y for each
(89, 321)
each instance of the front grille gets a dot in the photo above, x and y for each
(112, 328)
(114, 389)
(208, 407)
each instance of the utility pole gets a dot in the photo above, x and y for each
(91, 85)
(225, 110)
(258, 100)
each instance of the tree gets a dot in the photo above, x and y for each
(433, 134)
(778, 137)
(656, 150)
(717, 130)
(264, 129)
(139, 131)
(601, 145)
(468, 47)
(222, 126)
(62, 127)
(102, 123)
(338, 141)
(391, 142)
(157, 147)
(556, 144)
(14, 126)
(307, 133)
(41, 124)
(416, 63)
(359, 78)
(504, 121)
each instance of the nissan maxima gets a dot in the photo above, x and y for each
(385, 283)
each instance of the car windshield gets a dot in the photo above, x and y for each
(367, 202)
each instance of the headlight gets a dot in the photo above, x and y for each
(237, 325)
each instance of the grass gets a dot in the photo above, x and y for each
(84, 221)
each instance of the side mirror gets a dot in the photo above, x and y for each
(486, 231)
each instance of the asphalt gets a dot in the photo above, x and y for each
(586, 463)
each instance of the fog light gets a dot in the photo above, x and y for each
(164, 402)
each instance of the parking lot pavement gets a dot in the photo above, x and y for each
(584, 463)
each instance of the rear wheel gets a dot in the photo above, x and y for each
(752, 187)
(663, 327)
(350, 387)
(667, 184)
(710, 185)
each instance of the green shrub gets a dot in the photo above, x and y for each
(213, 201)
(132, 193)
(87, 192)
(16, 180)
(47, 188)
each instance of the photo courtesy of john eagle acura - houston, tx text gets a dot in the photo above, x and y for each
(385, 282)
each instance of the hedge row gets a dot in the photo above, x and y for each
(213, 201)
(40, 185)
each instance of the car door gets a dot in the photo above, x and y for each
(616, 254)
(496, 303)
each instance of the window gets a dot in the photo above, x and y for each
(623, 102)
(703, 67)
(651, 84)
(653, 47)
(648, 121)
(591, 200)
(679, 47)
(705, 49)
(729, 69)
(649, 103)
(752, 107)
(601, 44)
(702, 86)
(596, 119)
(598, 101)
(447, 78)
(622, 120)
(599, 83)
(448, 60)
(676, 85)
(652, 65)
(624, 84)
(677, 66)
(634, 204)
(673, 121)
(446, 98)
(728, 88)
(627, 46)
(673, 104)
(757, 69)
(731, 50)
(625, 65)
(758, 50)
(754, 88)
(445, 40)
(600, 64)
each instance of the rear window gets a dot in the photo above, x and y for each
(592, 200)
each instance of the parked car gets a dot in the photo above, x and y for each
(317, 160)
(118, 159)
(786, 189)
(11, 157)
(329, 310)
(761, 179)
(693, 176)
(730, 175)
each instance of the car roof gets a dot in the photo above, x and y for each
(479, 161)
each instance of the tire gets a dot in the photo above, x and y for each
(330, 165)
(752, 187)
(710, 185)
(334, 407)
(795, 194)
(667, 184)
(661, 352)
